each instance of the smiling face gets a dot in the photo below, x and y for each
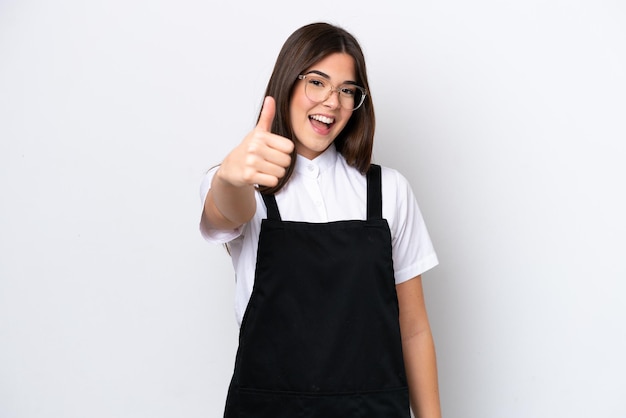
(316, 125)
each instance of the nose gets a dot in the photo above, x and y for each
(332, 101)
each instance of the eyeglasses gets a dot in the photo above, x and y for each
(319, 89)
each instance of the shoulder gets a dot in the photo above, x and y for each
(394, 182)
(399, 202)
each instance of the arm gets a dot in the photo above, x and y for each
(228, 206)
(261, 158)
(419, 350)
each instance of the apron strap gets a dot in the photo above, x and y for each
(374, 197)
(272, 207)
(374, 193)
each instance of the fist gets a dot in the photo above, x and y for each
(262, 157)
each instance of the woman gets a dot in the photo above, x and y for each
(328, 249)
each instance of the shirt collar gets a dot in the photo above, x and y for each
(320, 163)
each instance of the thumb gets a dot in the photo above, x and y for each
(267, 114)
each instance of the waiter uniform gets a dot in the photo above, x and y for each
(320, 336)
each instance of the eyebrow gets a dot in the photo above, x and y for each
(326, 76)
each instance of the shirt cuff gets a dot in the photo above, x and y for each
(416, 269)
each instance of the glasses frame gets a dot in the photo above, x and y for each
(333, 89)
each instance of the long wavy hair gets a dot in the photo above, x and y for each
(304, 48)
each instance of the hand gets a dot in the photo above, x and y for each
(262, 157)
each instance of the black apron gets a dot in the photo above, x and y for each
(320, 336)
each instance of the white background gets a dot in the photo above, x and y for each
(508, 118)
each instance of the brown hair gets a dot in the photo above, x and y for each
(305, 47)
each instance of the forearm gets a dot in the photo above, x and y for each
(421, 369)
(419, 350)
(228, 206)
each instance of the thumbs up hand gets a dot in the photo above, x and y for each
(262, 157)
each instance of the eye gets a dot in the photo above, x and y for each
(316, 82)
(348, 91)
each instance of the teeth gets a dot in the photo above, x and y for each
(323, 119)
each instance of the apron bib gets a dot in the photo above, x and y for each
(320, 336)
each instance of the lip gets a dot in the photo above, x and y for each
(320, 126)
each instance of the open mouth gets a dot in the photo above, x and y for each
(321, 119)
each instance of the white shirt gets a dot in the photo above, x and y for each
(327, 189)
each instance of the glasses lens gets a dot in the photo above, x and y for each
(316, 89)
(351, 96)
